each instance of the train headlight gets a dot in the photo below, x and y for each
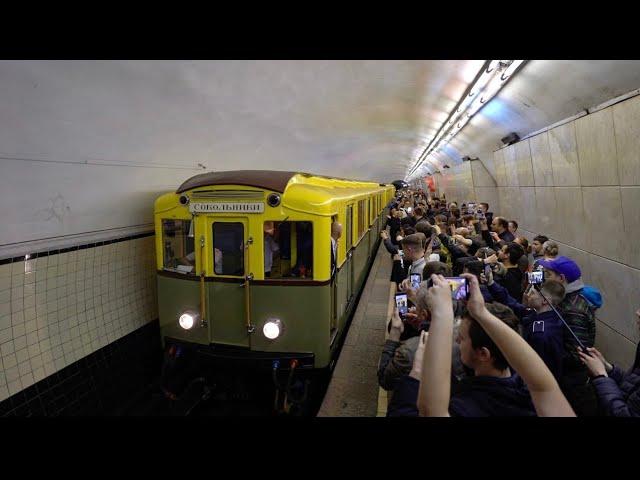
(188, 320)
(272, 328)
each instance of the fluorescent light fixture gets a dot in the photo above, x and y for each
(488, 82)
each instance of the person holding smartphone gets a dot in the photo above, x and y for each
(489, 345)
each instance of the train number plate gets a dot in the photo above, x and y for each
(227, 207)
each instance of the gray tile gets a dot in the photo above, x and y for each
(615, 348)
(619, 287)
(528, 213)
(631, 218)
(602, 207)
(524, 164)
(570, 215)
(498, 160)
(597, 149)
(481, 176)
(488, 195)
(564, 155)
(541, 160)
(546, 211)
(510, 166)
(626, 121)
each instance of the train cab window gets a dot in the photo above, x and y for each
(179, 250)
(228, 248)
(288, 250)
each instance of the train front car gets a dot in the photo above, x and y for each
(244, 265)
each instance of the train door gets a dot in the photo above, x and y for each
(230, 248)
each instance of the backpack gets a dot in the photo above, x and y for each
(593, 296)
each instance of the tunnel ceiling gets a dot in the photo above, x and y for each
(356, 119)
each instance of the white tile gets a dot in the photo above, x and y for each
(49, 368)
(19, 330)
(9, 362)
(4, 392)
(22, 355)
(7, 348)
(15, 387)
(33, 350)
(20, 342)
(12, 374)
(39, 374)
(5, 322)
(27, 380)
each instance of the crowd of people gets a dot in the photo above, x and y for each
(521, 343)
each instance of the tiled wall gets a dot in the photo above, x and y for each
(59, 307)
(579, 184)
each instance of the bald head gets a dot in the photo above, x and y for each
(336, 230)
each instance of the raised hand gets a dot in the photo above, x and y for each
(416, 369)
(439, 297)
(475, 304)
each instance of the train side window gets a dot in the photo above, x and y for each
(361, 218)
(228, 248)
(288, 250)
(349, 228)
(179, 249)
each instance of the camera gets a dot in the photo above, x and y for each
(536, 278)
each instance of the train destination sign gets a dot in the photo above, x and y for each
(227, 207)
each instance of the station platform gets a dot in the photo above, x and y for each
(353, 390)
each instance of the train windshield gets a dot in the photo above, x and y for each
(179, 251)
(228, 248)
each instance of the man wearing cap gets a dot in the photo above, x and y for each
(579, 315)
(413, 247)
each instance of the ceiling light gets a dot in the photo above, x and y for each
(488, 82)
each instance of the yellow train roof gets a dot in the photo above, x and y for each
(300, 191)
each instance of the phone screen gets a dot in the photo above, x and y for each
(416, 278)
(401, 303)
(459, 288)
(536, 278)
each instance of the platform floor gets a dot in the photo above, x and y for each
(353, 390)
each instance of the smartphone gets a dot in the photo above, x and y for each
(487, 271)
(416, 278)
(536, 278)
(479, 215)
(401, 304)
(459, 287)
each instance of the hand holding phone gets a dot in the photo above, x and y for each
(402, 304)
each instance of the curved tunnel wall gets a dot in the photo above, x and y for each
(578, 184)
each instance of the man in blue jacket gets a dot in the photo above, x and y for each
(540, 326)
